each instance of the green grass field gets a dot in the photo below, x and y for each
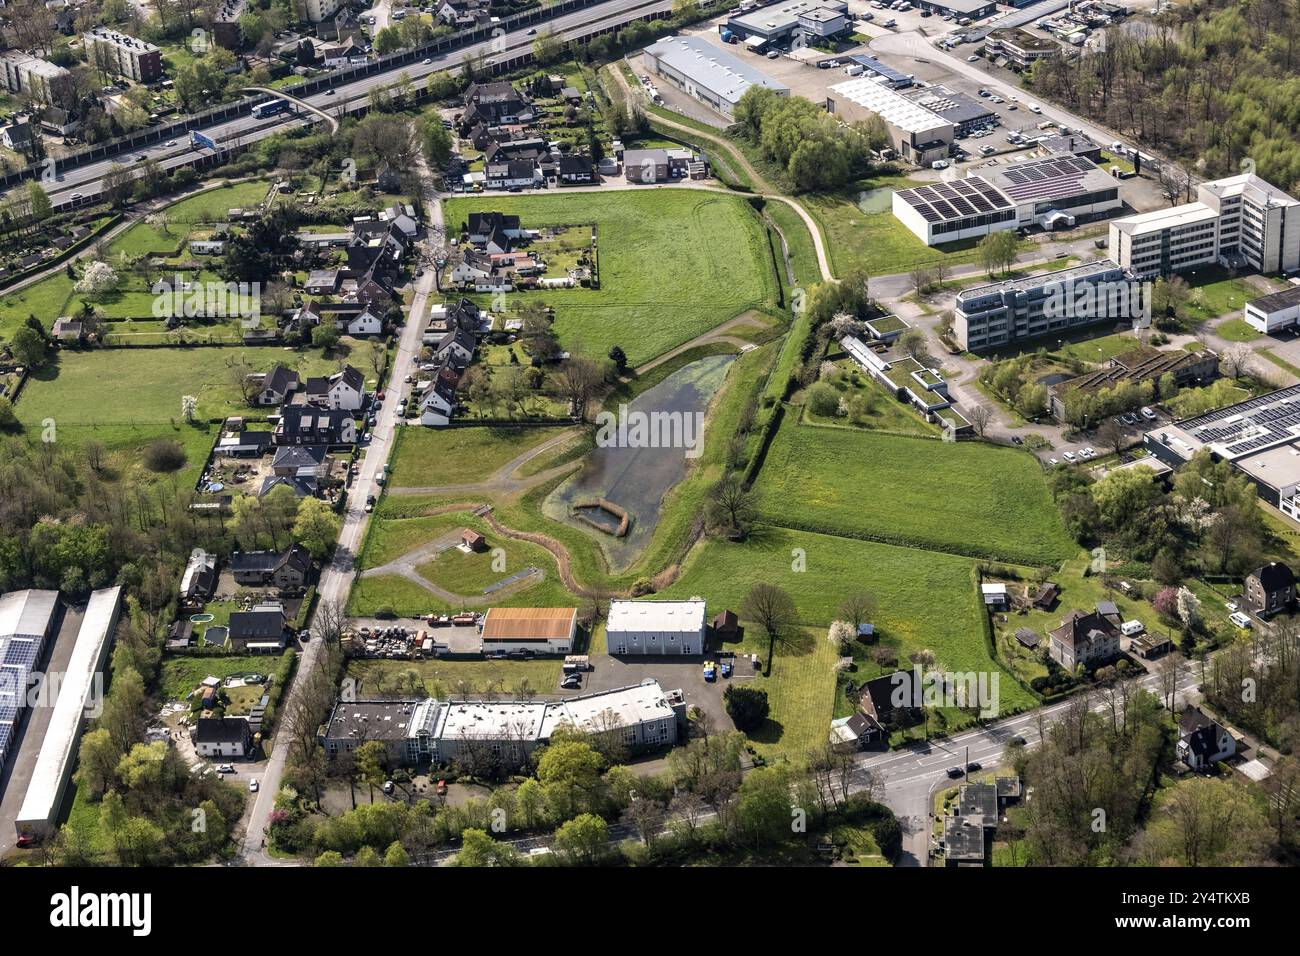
(674, 263)
(427, 457)
(963, 497)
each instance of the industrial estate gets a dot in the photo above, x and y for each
(595, 433)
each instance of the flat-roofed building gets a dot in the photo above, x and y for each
(82, 681)
(779, 23)
(1021, 48)
(27, 621)
(42, 81)
(502, 733)
(1059, 183)
(1136, 366)
(1260, 437)
(530, 630)
(655, 627)
(966, 113)
(917, 134)
(951, 211)
(707, 73)
(117, 54)
(974, 9)
(1000, 313)
(1240, 221)
(1269, 313)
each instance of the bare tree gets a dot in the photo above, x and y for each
(577, 382)
(1169, 673)
(773, 610)
(1234, 360)
(858, 609)
(980, 417)
(1110, 435)
(731, 506)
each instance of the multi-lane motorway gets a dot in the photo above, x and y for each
(84, 181)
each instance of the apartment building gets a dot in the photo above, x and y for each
(1241, 221)
(995, 315)
(117, 54)
(40, 80)
(314, 11)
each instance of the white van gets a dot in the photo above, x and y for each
(1132, 628)
(1240, 619)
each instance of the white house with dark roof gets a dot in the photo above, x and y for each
(277, 386)
(222, 737)
(1202, 740)
(345, 389)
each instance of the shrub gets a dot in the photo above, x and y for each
(746, 706)
(164, 455)
(824, 400)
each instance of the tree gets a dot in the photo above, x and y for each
(1110, 435)
(477, 848)
(28, 348)
(1189, 609)
(858, 609)
(435, 140)
(325, 336)
(577, 381)
(164, 455)
(569, 771)
(372, 764)
(763, 809)
(396, 855)
(746, 706)
(619, 358)
(317, 526)
(731, 506)
(980, 417)
(41, 206)
(584, 840)
(772, 609)
(189, 405)
(645, 816)
(98, 278)
(8, 417)
(997, 251)
(97, 762)
(388, 40)
(1234, 360)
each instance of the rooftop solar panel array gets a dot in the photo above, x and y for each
(19, 654)
(958, 199)
(1049, 178)
(1250, 425)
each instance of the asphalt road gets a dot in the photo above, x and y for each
(245, 129)
(336, 580)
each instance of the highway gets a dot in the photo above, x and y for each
(84, 181)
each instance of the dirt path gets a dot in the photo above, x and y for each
(766, 189)
(707, 338)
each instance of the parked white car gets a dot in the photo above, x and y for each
(1088, 453)
(1068, 456)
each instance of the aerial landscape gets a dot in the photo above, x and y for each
(608, 435)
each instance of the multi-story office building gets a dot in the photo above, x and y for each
(117, 54)
(1241, 221)
(991, 316)
(1021, 48)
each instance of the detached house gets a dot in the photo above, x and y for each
(456, 345)
(511, 174)
(369, 321)
(496, 104)
(1271, 589)
(1202, 740)
(307, 425)
(277, 385)
(577, 171)
(259, 631)
(286, 570)
(438, 404)
(481, 227)
(222, 737)
(200, 579)
(300, 461)
(345, 389)
(1084, 638)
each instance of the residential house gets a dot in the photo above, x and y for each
(854, 733)
(496, 104)
(483, 226)
(402, 223)
(656, 165)
(892, 700)
(1270, 589)
(473, 271)
(301, 461)
(1202, 740)
(308, 425)
(243, 443)
(388, 179)
(17, 135)
(511, 174)
(285, 570)
(263, 630)
(345, 389)
(1086, 638)
(300, 486)
(457, 345)
(366, 322)
(276, 386)
(222, 737)
(199, 580)
(577, 171)
(324, 282)
(438, 404)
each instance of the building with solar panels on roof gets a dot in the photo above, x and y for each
(27, 621)
(1260, 437)
(1058, 189)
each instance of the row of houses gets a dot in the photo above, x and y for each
(345, 389)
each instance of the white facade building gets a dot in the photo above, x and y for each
(655, 627)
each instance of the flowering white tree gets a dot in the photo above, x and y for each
(842, 635)
(825, 370)
(99, 277)
(1189, 607)
(189, 405)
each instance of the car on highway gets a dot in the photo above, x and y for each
(1033, 107)
(1017, 739)
(532, 31)
(76, 196)
(171, 142)
(955, 771)
(329, 92)
(142, 157)
(972, 58)
(974, 767)
(427, 60)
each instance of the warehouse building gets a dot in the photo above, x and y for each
(655, 627)
(782, 24)
(960, 9)
(917, 134)
(529, 630)
(80, 695)
(1049, 303)
(708, 74)
(1260, 437)
(1238, 222)
(966, 113)
(643, 716)
(1270, 313)
(27, 621)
